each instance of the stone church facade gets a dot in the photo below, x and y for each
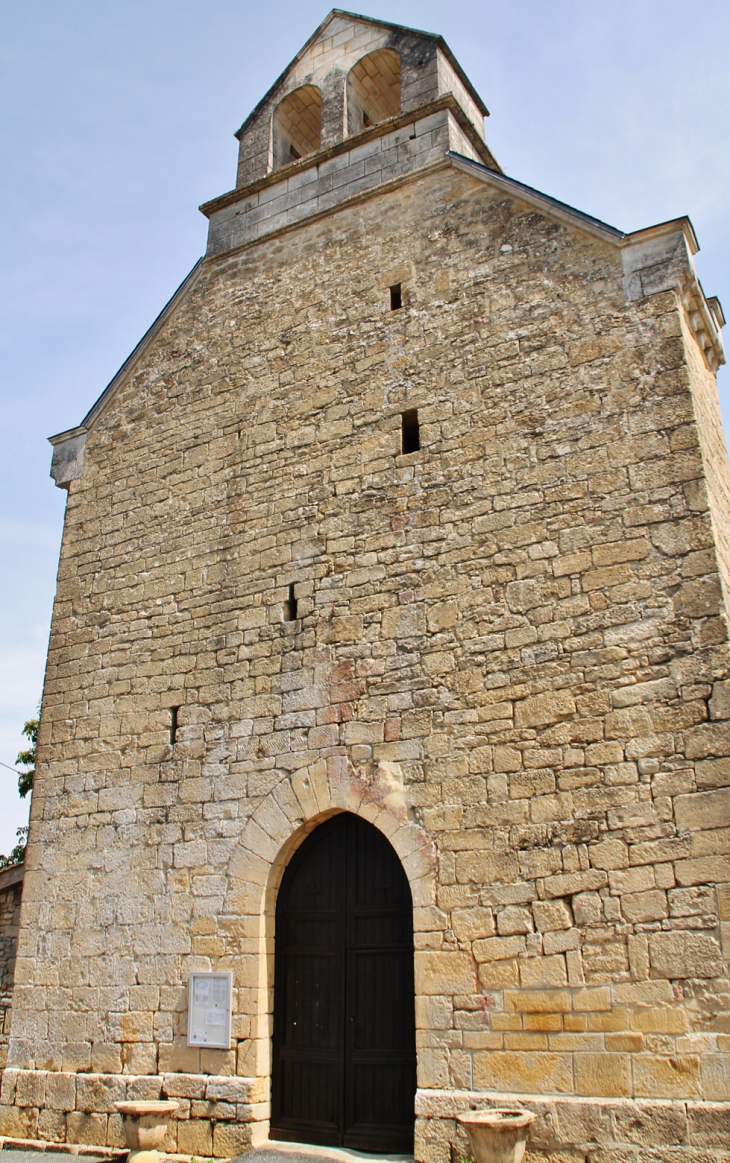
(411, 507)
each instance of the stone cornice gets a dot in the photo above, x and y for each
(348, 144)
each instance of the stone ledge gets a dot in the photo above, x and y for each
(577, 1123)
(29, 1088)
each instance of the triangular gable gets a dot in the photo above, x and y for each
(341, 13)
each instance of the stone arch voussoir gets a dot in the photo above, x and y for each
(291, 810)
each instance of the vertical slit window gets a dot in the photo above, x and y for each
(173, 724)
(290, 605)
(410, 433)
(396, 297)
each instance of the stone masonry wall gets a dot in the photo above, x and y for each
(9, 917)
(510, 655)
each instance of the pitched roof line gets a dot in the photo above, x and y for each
(149, 333)
(522, 187)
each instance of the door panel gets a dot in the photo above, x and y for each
(344, 1036)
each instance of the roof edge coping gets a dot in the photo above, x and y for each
(536, 197)
(98, 407)
(671, 226)
(69, 434)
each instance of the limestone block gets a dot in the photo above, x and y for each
(580, 1122)
(544, 710)
(587, 908)
(52, 1126)
(543, 972)
(9, 1080)
(638, 945)
(592, 1000)
(86, 1128)
(537, 1001)
(552, 915)
(656, 1076)
(106, 1058)
(645, 906)
(707, 1125)
(139, 1058)
(442, 616)
(231, 1139)
(19, 1122)
(145, 1089)
(715, 1073)
(498, 975)
(99, 1092)
(184, 1085)
(685, 954)
(404, 622)
(523, 1072)
(498, 948)
(651, 1124)
(229, 1089)
(472, 924)
(561, 942)
(719, 704)
(60, 1091)
(703, 870)
(575, 882)
(608, 1075)
(609, 854)
(195, 1137)
(514, 919)
(703, 809)
(30, 1088)
(444, 973)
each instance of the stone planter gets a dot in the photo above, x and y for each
(497, 1135)
(145, 1127)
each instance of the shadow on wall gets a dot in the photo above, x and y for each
(373, 89)
(297, 126)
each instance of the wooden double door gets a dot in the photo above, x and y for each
(344, 1071)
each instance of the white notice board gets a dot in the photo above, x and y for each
(209, 1010)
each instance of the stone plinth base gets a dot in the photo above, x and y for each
(222, 1116)
(639, 1130)
(218, 1116)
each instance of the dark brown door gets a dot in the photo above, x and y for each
(344, 1030)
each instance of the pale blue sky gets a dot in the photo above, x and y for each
(118, 121)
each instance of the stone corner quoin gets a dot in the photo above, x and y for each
(413, 503)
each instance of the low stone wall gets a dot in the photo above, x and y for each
(221, 1116)
(218, 1116)
(601, 1130)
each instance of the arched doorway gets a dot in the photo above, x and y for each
(344, 1069)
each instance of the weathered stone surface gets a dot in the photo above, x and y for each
(684, 954)
(505, 649)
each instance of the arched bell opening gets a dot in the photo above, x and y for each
(344, 1055)
(297, 126)
(373, 89)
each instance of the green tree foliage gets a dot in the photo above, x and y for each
(25, 784)
(27, 758)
